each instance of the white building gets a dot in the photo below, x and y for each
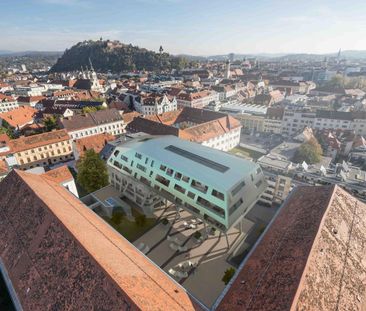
(211, 129)
(226, 141)
(197, 99)
(7, 103)
(341, 120)
(30, 90)
(295, 121)
(102, 121)
(273, 120)
(150, 105)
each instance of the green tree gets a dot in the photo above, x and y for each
(310, 152)
(117, 216)
(50, 123)
(140, 220)
(337, 81)
(92, 172)
(229, 273)
(7, 131)
(89, 109)
(93, 109)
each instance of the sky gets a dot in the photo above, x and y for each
(196, 27)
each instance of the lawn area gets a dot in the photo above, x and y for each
(129, 229)
(246, 153)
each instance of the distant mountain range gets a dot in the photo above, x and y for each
(29, 53)
(351, 54)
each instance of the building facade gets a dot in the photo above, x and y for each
(273, 120)
(197, 99)
(39, 150)
(294, 122)
(278, 188)
(209, 128)
(155, 105)
(102, 121)
(251, 122)
(217, 187)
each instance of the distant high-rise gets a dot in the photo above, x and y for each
(231, 57)
(227, 70)
(339, 56)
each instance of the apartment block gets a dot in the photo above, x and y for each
(89, 124)
(212, 129)
(38, 150)
(214, 186)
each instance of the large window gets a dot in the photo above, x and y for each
(199, 186)
(235, 206)
(236, 190)
(210, 206)
(218, 194)
(117, 164)
(162, 180)
(141, 167)
(179, 188)
(191, 195)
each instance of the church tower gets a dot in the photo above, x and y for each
(339, 56)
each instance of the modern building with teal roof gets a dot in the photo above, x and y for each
(213, 185)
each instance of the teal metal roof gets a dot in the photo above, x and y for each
(215, 167)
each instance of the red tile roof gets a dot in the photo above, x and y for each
(61, 256)
(30, 99)
(35, 141)
(95, 142)
(206, 124)
(311, 257)
(5, 98)
(19, 116)
(59, 175)
(129, 116)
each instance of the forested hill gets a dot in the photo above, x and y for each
(115, 57)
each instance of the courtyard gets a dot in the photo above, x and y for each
(192, 253)
(198, 261)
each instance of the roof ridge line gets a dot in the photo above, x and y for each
(330, 200)
(48, 182)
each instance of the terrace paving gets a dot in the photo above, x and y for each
(211, 255)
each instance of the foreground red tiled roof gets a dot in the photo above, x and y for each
(19, 116)
(95, 142)
(60, 255)
(311, 257)
(59, 175)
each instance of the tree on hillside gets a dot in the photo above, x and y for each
(92, 172)
(310, 152)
